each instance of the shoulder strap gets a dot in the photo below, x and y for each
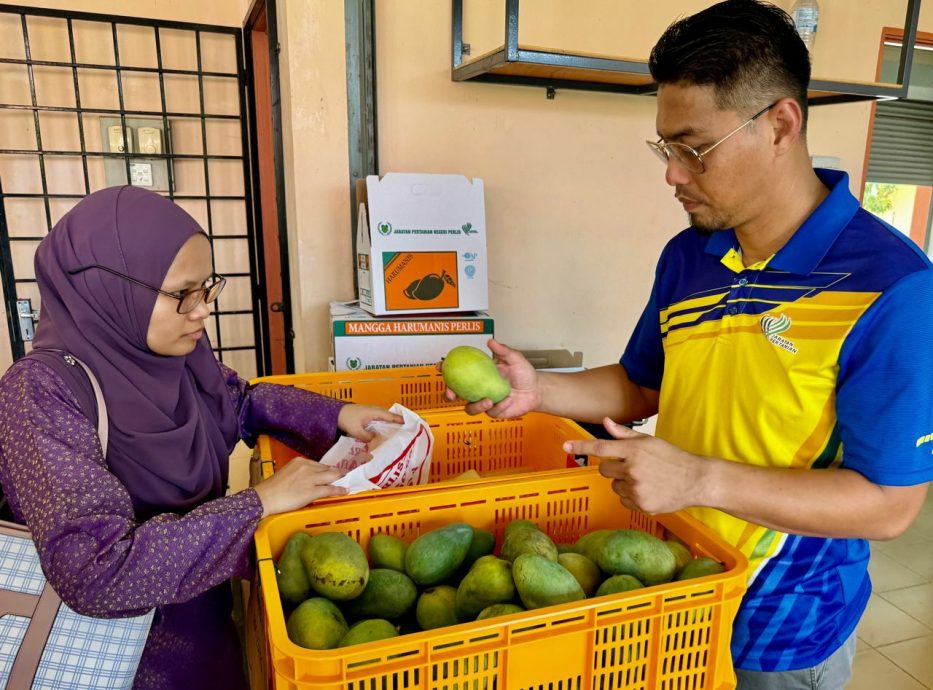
(79, 377)
(103, 428)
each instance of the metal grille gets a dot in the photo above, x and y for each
(61, 74)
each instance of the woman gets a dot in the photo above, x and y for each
(126, 280)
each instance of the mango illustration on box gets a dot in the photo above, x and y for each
(428, 287)
(473, 375)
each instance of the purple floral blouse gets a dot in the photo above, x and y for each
(102, 562)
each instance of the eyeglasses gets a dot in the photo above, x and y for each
(688, 156)
(188, 300)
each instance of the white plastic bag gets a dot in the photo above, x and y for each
(399, 455)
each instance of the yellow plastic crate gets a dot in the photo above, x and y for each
(417, 388)
(669, 636)
(492, 447)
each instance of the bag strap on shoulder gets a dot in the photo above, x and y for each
(85, 387)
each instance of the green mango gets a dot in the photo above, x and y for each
(516, 525)
(700, 567)
(316, 624)
(543, 582)
(498, 610)
(617, 584)
(636, 553)
(294, 586)
(386, 551)
(473, 375)
(488, 582)
(437, 607)
(590, 544)
(368, 631)
(435, 556)
(682, 554)
(583, 569)
(336, 566)
(388, 594)
(527, 540)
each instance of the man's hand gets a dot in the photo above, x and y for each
(649, 474)
(517, 370)
(353, 420)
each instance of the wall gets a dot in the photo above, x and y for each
(577, 207)
(314, 113)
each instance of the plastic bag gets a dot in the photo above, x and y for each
(399, 455)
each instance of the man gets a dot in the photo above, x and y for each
(785, 348)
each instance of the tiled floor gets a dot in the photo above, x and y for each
(895, 637)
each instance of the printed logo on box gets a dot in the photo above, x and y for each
(384, 228)
(420, 280)
(354, 363)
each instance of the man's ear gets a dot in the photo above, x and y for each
(786, 120)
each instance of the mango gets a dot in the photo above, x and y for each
(316, 624)
(435, 556)
(583, 569)
(388, 594)
(437, 608)
(498, 610)
(636, 553)
(469, 476)
(618, 583)
(473, 375)
(682, 554)
(527, 540)
(290, 574)
(386, 551)
(368, 631)
(590, 544)
(517, 524)
(336, 566)
(564, 547)
(700, 567)
(543, 582)
(488, 582)
(482, 544)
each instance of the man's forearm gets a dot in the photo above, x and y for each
(589, 396)
(830, 503)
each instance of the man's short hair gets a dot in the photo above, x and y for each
(747, 50)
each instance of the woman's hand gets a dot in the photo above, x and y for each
(353, 420)
(299, 483)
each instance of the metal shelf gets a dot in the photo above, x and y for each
(552, 69)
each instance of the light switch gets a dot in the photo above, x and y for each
(115, 136)
(150, 140)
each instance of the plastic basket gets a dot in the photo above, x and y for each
(669, 636)
(492, 447)
(417, 388)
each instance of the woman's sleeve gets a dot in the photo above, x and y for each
(96, 556)
(304, 421)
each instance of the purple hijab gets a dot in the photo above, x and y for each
(172, 425)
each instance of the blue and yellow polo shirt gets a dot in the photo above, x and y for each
(821, 356)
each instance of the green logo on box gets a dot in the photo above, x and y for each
(468, 229)
(354, 363)
(384, 228)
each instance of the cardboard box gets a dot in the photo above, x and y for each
(421, 244)
(363, 341)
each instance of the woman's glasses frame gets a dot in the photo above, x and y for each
(188, 300)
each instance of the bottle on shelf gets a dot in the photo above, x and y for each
(806, 15)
